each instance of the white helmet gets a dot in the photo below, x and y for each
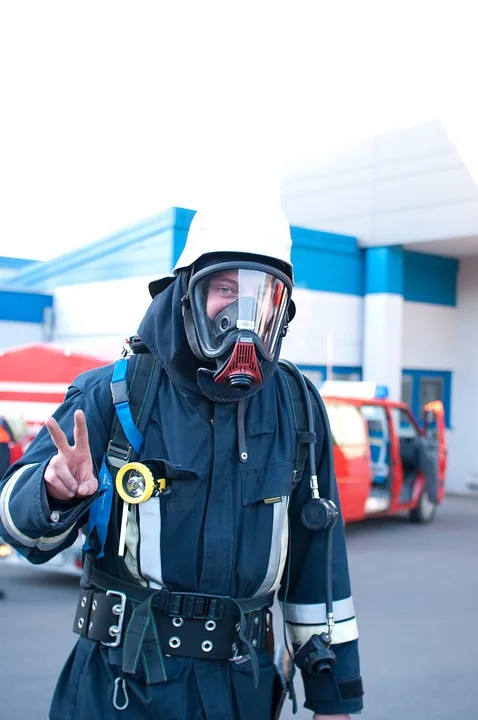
(257, 233)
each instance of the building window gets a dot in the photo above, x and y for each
(422, 386)
(431, 388)
(337, 374)
(407, 390)
(318, 373)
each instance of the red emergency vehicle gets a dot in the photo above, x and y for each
(385, 460)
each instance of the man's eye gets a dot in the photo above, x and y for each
(225, 290)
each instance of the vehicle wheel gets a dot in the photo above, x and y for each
(425, 511)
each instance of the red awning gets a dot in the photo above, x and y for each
(35, 378)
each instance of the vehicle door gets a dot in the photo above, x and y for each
(406, 454)
(434, 450)
(377, 423)
(351, 456)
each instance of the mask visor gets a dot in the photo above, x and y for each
(227, 300)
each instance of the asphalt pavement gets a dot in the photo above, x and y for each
(416, 596)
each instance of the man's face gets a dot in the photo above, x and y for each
(223, 290)
(258, 302)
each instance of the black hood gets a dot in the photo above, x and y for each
(162, 331)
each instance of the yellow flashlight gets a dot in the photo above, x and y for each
(135, 483)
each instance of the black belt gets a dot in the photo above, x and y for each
(188, 624)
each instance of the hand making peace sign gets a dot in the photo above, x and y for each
(70, 473)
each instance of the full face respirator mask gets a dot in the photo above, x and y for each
(234, 314)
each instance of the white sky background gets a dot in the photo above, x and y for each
(111, 111)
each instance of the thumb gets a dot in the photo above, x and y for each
(88, 487)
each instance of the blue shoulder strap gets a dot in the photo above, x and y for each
(120, 394)
(134, 389)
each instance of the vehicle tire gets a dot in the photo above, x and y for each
(425, 511)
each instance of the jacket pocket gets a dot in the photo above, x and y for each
(267, 484)
(263, 531)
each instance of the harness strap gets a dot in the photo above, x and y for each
(134, 389)
(120, 394)
(302, 434)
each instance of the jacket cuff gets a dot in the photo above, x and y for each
(326, 696)
(66, 511)
(64, 514)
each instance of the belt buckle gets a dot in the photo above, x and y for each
(119, 609)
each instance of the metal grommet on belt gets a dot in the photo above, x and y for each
(94, 605)
(206, 646)
(174, 642)
(81, 622)
(210, 625)
(177, 621)
(83, 601)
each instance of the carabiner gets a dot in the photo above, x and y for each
(120, 679)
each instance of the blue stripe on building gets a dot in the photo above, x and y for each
(322, 261)
(182, 221)
(430, 279)
(13, 263)
(327, 262)
(384, 270)
(143, 249)
(419, 277)
(23, 306)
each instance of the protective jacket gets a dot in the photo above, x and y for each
(231, 528)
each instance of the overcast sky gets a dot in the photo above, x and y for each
(111, 111)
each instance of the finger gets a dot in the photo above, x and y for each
(64, 473)
(58, 436)
(88, 487)
(56, 487)
(57, 490)
(80, 431)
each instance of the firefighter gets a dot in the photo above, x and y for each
(174, 610)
